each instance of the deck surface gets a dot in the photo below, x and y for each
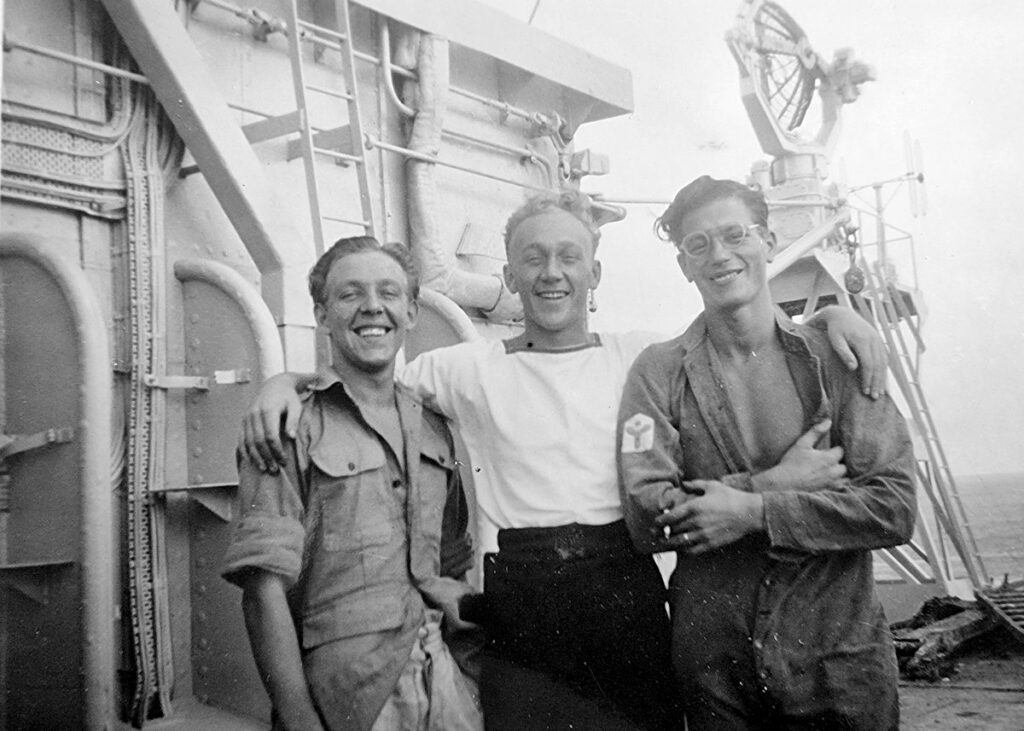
(986, 691)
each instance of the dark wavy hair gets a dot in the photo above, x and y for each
(701, 192)
(578, 205)
(354, 245)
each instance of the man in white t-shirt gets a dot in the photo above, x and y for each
(578, 633)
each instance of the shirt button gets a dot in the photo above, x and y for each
(396, 483)
(351, 465)
(441, 460)
(758, 645)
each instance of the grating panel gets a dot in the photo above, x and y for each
(1008, 606)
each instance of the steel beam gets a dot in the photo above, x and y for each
(182, 82)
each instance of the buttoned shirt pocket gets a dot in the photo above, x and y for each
(351, 477)
(355, 528)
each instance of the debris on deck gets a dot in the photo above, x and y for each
(927, 643)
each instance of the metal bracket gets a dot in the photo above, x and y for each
(199, 383)
(11, 444)
(32, 579)
(217, 497)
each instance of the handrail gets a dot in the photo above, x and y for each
(13, 43)
(387, 69)
(452, 315)
(241, 291)
(372, 142)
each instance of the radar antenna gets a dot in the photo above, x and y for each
(787, 89)
(781, 74)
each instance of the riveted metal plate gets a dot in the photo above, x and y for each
(219, 347)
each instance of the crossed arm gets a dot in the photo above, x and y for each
(702, 515)
(806, 504)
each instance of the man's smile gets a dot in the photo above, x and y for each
(725, 277)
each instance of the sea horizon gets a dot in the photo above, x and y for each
(994, 504)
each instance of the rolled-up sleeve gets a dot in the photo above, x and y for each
(269, 535)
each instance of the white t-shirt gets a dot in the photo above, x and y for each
(539, 426)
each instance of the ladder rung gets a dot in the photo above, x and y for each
(322, 42)
(329, 143)
(337, 138)
(337, 219)
(320, 30)
(330, 92)
(345, 157)
(271, 127)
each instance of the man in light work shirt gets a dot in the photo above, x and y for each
(579, 635)
(338, 553)
(775, 619)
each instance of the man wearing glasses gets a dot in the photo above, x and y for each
(775, 619)
(576, 620)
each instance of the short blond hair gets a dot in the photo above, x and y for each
(576, 204)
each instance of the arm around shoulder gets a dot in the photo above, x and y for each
(857, 344)
(275, 409)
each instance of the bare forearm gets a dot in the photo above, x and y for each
(276, 650)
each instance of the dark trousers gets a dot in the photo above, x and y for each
(579, 633)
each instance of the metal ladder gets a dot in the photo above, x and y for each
(887, 307)
(343, 144)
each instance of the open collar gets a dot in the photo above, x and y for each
(703, 373)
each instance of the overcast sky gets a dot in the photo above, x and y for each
(949, 73)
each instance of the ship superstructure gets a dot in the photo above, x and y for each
(170, 171)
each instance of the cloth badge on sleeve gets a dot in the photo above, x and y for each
(637, 434)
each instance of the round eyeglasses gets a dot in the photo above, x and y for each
(731, 236)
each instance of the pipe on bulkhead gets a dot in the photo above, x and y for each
(439, 268)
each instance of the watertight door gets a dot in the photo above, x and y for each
(56, 547)
(231, 346)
